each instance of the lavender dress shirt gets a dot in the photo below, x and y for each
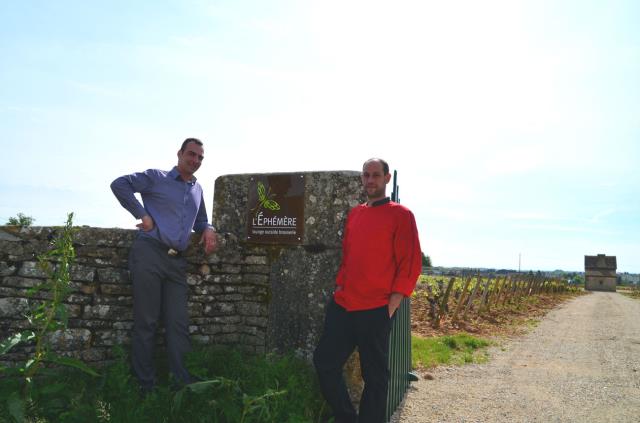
(175, 206)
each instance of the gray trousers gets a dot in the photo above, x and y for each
(159, 289)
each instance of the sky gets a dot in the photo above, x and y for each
(514, 125)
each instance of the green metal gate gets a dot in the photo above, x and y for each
(399, 344)
(399, 357)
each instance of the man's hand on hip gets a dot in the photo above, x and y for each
(210, 240)
(147, 223)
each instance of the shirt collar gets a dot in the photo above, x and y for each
(174, 174)
(380, 202)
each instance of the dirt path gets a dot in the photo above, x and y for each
(580, 364)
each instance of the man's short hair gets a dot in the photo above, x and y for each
(187, 141)
(385, 165)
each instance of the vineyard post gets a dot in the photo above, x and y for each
(526, 286)
(543, 286)
(522, 291)
(537, 285)
(432, 302)
(522, 286)
(547, 285)
(515, 294)
(507, 289)
(472, 296)
(530, 286)
(500, 290)
(516, 290)
(462, 298)
(484, 302)
(495, 296)
(444, 303)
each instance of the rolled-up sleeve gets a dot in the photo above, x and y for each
(125, 187)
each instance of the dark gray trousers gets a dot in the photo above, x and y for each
(159, 289)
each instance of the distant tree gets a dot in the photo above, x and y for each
(426, 261)
(21, 220)
(577, 280)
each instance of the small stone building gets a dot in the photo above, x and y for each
(600, 273)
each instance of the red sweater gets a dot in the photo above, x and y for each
(380, 255)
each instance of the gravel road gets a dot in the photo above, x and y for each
(580, 364)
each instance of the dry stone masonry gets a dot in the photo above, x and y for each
(256, 297)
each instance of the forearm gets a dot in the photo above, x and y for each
(201, 223)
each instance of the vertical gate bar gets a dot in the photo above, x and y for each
(399, 357)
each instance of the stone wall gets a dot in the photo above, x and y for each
(300, 278)
(256, 297)
(600, 280)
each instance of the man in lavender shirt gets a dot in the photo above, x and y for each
(173, 207)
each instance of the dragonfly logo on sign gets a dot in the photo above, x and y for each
(265, 199)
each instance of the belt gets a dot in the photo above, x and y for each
(170, 251)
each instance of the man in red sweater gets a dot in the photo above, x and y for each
(381, 262)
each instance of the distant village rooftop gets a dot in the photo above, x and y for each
(600, 262)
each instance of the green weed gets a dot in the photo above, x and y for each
(456, 349)
(46, 318)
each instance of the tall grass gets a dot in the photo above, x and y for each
(235, 387)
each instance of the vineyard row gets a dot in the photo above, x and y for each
(462, 297)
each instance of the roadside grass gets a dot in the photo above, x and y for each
(235, 387)
(461, 348)
(632, 292)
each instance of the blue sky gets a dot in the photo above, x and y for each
(514, 125)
